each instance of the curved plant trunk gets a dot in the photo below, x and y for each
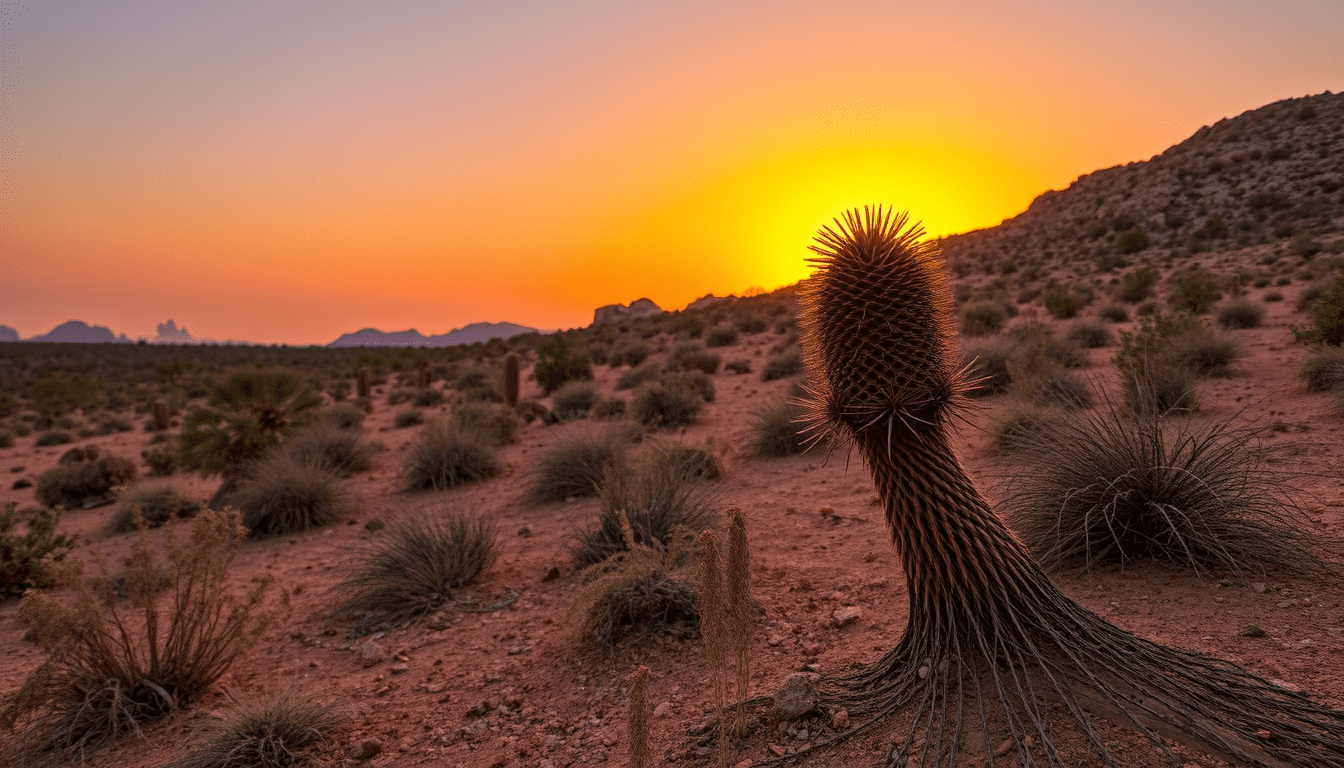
(989, 635)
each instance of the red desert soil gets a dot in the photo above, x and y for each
(508, 687)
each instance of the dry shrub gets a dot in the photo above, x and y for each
(109, 672)
(74, 483)
(1021, 427)
(986, 366)
(1323, 370)
(666, 404)
(262, 731)
(695, 462)
(342, 452)
(446, 457)
(775, 430)
(344, 416)
(641, 588)
(652, 498)
(413, 568)
(25, 561)
(155, 504)
(279, 496)
(499, 423)
(783, 364)
(1111, 487)
(574, 399)
(577, 465)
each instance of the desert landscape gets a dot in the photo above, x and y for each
(435, 561)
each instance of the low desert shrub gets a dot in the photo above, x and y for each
(278, 496)
(1105, 486)
(497, 422)
(750, 322)
(1058, 387)
(979, 318)
(642, 589)
(75, 483)
(342, 452)
(1114, 313)
(248, 414)
(344, 416)
(1137, 284)
(108, 672)
(632, 354)
(1149, 343)
(408, 418)
(1323, 370)
(26, 560)
(155, 504)
(1020, 427)
(6, 438)
(775, 430)
(53, 437)
(608, 408)
(1158, 390)
(558, 362)
(1241, 313)
(739, 366)
(724, 335)
(641, 373)
(1089, 335)
(694, 462)
(262, 731)
(664, 404)
(1062, 301)
(112, 423)
(693, 357)
(1193, 290)
(1271, 296)
(576, 466)
(1206, 352)
(782, 365)
(161, 460)
(413, 567)
(574, 399)
(654, 498)
(986, 365)
(446, 457)
(429, 398)
(1325, 317)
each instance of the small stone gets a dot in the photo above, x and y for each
(524, 532)
(479, 709)
(1287, 603)
(22, 483)
(1258, 587)
(802, 735)
(552, 574)
(777, 750)
(827, 511)
(774, 640)
(370, 653)
(743, 764)
(1284, 684)
(375, 525)
(846, 616)
(798, 697)
(840, 720)
(400, 669)
(662, 709)
(1003, 747)
(924, 672)
(365, 749)
(553, 741)
(1251, 630)
(1264, 734)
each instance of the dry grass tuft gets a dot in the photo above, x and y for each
(653, 499)
(279, 496)
(263, 731)
(447, 457)
(342, 452)
(578, 465)
(414, 567)
(107, 673)
(156, 504)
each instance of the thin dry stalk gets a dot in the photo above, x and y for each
(637, 723)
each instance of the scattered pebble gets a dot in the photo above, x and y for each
(1252, 630)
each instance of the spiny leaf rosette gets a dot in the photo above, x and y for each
(989, 637)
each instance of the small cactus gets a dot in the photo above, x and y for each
(511, 379)
(161, 414)
(362, 382)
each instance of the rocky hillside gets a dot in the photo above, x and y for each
(1272, 174)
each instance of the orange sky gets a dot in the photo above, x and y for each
(286, 172)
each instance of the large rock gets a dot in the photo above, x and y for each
(798, 697)
(615, 313)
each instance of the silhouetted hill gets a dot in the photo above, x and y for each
(169, 333)
(8, 334)
(1270, 174)
(78, 331)
(469, 334)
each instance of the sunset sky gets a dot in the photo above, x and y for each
(289, 171)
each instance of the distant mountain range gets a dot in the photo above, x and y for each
(468, 334)
(80, 332)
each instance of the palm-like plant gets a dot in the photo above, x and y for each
(248, 413)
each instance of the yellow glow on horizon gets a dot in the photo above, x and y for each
(751, 226)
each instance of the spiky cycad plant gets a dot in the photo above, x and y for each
(989, 635)
(248, 413)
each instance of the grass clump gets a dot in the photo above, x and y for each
(280, 496)
(1158, 390)
(984, 317)
(1063, 301)
(646, 371)
(775, 430)
(342, 452)
(1089, 335)
(782, 365)
(344, 416)
(262, 731)
(693, 357)
(161, 460)
(447, 457)
(53, 437)
(1239, 314)
(1020, 427)
(577, 466)
(71, 484)
(694, 462)
(1323, 370)
(1114, 313)
(109, 670)
(641, 589)
(1103, 487)
(1137, 284)
(413, 568)
(653, 498)
(499, 423)
(724, 335)
(25, 560)
(986, 365)
(665, 403)
(1205, 352)
(575, 399)
(1325, 315)
(155, 504)
(1193, 290)
(408, 418)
